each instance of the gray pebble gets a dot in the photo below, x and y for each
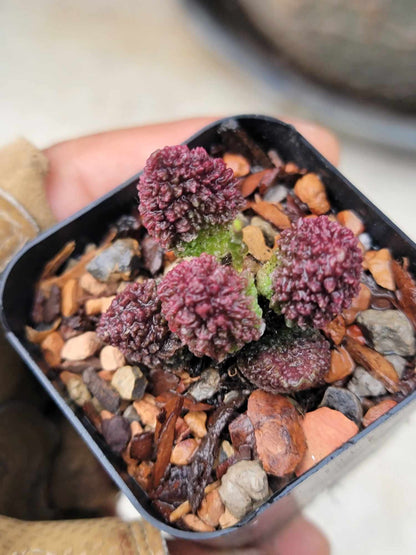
(366, 241)
(363, 384)
(399, 364)
(130, 414)
(207, 386)
(115, 261)
(389, 330)
(276, 193)
(344, 401)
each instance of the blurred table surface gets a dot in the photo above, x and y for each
(69, 69)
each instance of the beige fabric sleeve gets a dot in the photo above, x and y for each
(22, 174)
(98, 536)
(24, 211)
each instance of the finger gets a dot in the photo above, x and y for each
(81, 170)
(299, 537)
(320, 137)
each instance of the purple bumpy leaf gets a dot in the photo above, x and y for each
(286, 360)
(134, 323)
(208, 307)
(318, 271)
(182, 191)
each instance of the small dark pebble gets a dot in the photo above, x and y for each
(116, 432)
(38, 304)
(152, 255)
(344, 401)
(128, 225)
(105, 394)
(165, 509)
(75, 325)
(78, 366)
(52, 307)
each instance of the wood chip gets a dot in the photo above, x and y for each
(335, 329)
(70, 298)
(280, 440)
(111, 358)
(254, 239)
(81, 347)
(78, 268)
(165, 438)
(237, 163)
(375, 363)
(378, 410)
(355, 332)
(379, 263)
(349, 219)
(271, 213)
(196, 524)
(254, 181)
(52, 347)
(183, 452)
(185, 507)
(311, 191)
(37, 336)
(359, 303)
(212, 508)
(325, 430)
(406, 291)
(56, 262)
(342, 365)
(196, 421)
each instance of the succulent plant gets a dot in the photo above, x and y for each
(184, 191)
(134, 323)
(315, 273)
(285, 360)
(211, 307)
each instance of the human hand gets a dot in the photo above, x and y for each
(83, 169)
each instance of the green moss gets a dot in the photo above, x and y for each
(264, 277)
(251, 291)
(220, 241)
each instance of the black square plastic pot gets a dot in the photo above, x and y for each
(90, 225)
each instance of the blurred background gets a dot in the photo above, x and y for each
(73, 68)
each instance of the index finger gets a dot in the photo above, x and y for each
(81, 170)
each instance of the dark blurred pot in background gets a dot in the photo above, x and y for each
(367, 47)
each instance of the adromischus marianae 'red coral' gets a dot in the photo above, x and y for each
(134, 323)
(317, 272)
(184, 191)
(286, 360)
(210, 307)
